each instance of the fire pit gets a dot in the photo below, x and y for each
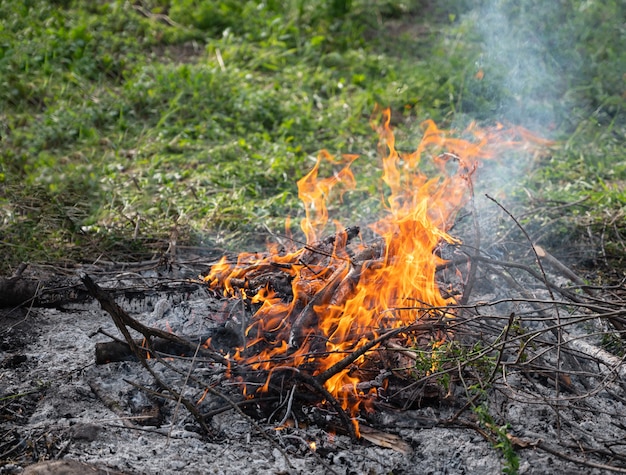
(387, 348)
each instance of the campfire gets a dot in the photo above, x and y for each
(338, 320)
(336, 313)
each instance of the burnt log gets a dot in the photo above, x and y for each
(18, 291)
(112, 351)
(222, 338)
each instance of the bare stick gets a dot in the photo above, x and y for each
(558, 265)
(469, 285)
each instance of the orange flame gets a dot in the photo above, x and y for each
(339, 307)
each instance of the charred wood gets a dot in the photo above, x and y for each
(56, 292)
(18, 291)
(123, 322)
(113, 351)
(307, 319)
(329, 246)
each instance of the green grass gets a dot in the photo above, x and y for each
(121, 124)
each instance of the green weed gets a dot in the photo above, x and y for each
(501, 439)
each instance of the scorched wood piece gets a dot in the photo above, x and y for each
(275, 280)
(57, 291)
(373, 251)
(223, 339)
(307, 319)
(349, 283)
(18, 291)
(112, 351)
(332, 245)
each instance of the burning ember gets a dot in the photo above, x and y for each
(323, 314)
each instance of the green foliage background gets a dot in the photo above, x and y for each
(122, 123)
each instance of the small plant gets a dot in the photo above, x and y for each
(614, 344)
(500, 436)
